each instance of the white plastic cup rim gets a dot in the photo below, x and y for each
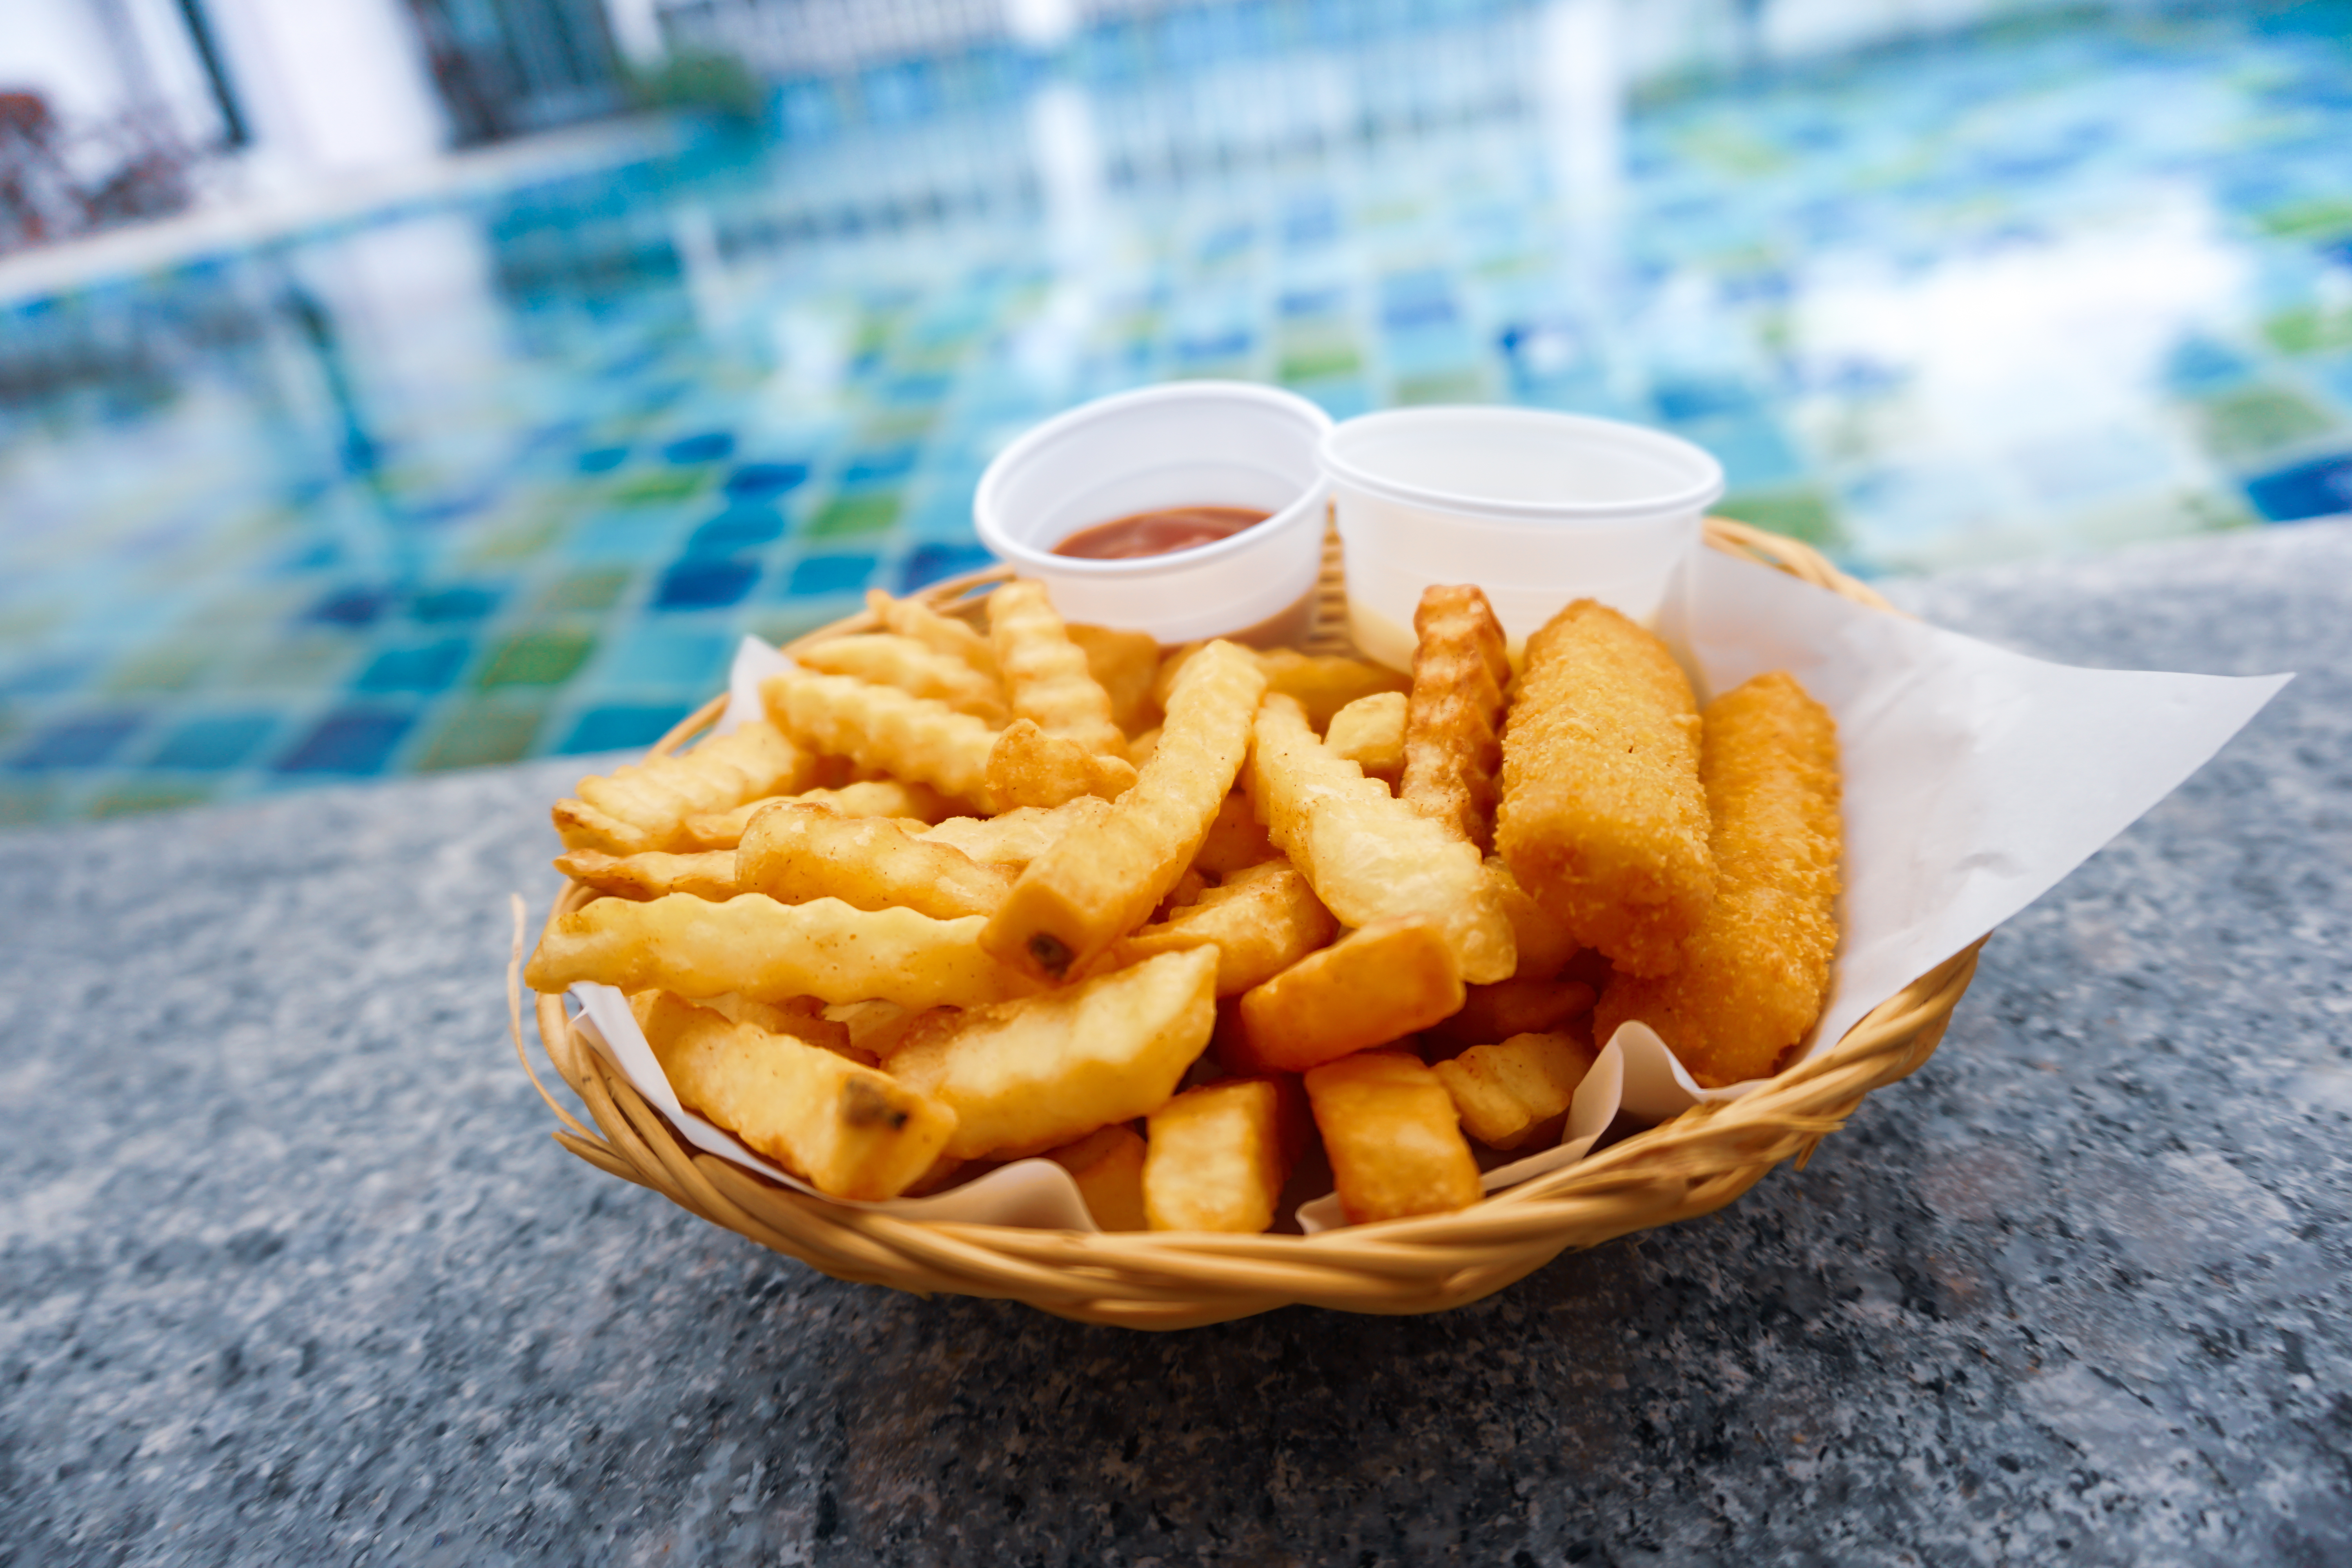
(1341, 458)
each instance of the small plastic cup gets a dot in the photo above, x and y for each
(1537, 509)
(1192, 442)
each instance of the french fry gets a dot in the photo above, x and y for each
(872, 1029)
(770, 951)
(1140, 747)
(1519, 1005)
(709, 875)
(880, 727)
(869, 797)
(1031, 1075)
(1107, 1165)
(1029, 767)
(1544, 944)
(796, 853)
(1046, 675)
(849, 1131)
(1370, 857)
(1508, 1093)
(1371, 987)
(1102, 881)
(1236, 840)
(803, 1017)
(1322, 683)
(1369, 732)
(1218, 1155)
(1261, 922)
(886, 659)
(642, 806)
(941, 634)
(1602, 817)
(1019, 836)
(1453, 741)
(1124, 665)
(1390, 1128)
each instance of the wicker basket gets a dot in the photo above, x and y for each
(1691, 1166)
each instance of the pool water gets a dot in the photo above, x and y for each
(507, 475)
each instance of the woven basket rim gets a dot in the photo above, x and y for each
(1686, 1167)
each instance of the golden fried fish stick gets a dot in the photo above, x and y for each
(1754, 973)
(797, 853)
(1369, 855)
(885, 729)
(1046, 675)
(644, 805)
(1103, 880)
(1453, 718)
(884, 659)
(707, 875)
(941, 634)
(1602, 818)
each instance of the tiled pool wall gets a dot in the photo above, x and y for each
(508, 477)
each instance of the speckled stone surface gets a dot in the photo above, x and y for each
(289, 1272)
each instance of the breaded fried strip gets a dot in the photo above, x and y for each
(1104, 880)
(796, 853)
(942, 633)
(1370, 856)
(644, 805)
(1046, 675)
(1019, 836)
(1602, 818)
(1754, 973)
(885, 729)
(770, 951)
(654, 874)
(1544, 944)
(1453, 721)
(867, 797)
(884, 659)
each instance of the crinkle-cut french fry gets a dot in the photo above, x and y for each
(886, 659)
(707, 875)
(1102, 881)
(1029, 767)
(1370, 857)
(796, 853)
(1390, 1128)
(1261, 922)
(1045, 674)
(1139, 749)
(769, 951)
(1510, 1092)
(1369, 732)
(1219, 1154)
(1545, 945)
(1032, 1074)
(803, 1017)
(642, 806)
(1018, 835)
(941, 634)
(1522, 1005)
(1602, 817)
(1454, 728)
(873, 1028)
(1753, 974)
(1322, 683)
(1370, 987)
(864, 797)
(1107, 1165)
(1124, 665)
(849, 1131)
(881, 727)
(1236, 840)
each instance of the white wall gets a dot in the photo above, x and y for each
(329, 84)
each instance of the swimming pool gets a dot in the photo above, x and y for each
(506, 475)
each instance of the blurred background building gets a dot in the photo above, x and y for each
(399, 385)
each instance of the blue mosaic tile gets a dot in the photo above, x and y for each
(757, 481)
(622, 728)
(355, 743)
(655, 656)
(927, 564)
(711, 447)
(2319, 487)
(424, 669)
(816, 576)
(78, 742)
(703, 584)
(458, 603)
(737, 530)
(350, 607)
(208, 744)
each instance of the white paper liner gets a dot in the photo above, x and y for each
(1974, 780)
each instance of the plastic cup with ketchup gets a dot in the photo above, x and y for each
(1194, 510)
(1537, 509)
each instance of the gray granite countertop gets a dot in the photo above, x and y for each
(292, 1273)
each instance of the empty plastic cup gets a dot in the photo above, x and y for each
(1537, 509)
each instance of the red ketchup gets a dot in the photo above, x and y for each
(1161, 532)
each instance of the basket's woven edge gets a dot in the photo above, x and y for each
(1689, 1166)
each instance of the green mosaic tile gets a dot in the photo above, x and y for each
(2257, 420)
(515, 544)
(585, 591)
(1444, 386)
(855, 516)
(138, 799)
(2308, 329)
(1802, 514)
(1318, 361)
(544, 658)
(21, 806)
(299, 661)
(2323, 217)
(787, 622)
(482, 734)
(168, 667)
(659, 488)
